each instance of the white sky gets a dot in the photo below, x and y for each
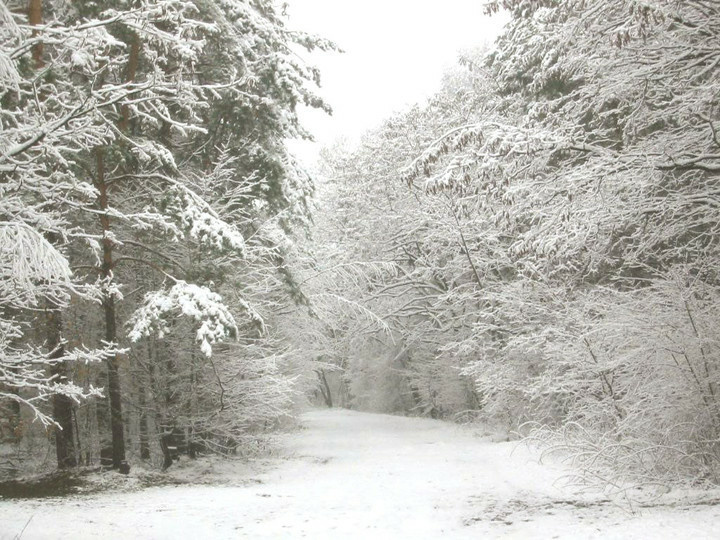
(395, 54)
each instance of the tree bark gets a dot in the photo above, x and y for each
(324, 387)
(62, 405)
(108, 304)
(132, 66)
(144, 427)
(35, 17)
(165, 441)
(108, 265)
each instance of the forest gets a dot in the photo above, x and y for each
(534, 249)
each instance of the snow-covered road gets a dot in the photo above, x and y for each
(358, 475)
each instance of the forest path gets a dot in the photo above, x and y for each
(359, 475)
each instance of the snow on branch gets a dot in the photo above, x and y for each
(354, 272)
(325, 311)
(24, 376)
(196, 302)
(43, 389)
(202, 222)
(30, 267)
(476, 147)
(455, 139)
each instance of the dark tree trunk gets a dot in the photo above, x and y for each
(166, 441)
(132, 66)
(62, 405)
(144, 431)
(108, 265)
(116, 419)
(35, 17)
(108, 303)
(324, 387)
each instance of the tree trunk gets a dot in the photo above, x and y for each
(144, 428)
(62, 405)
(132, 66)
(403, 359)
(108, 265)
(324, 387)
(108, 303)
(35, 17)
(165, 442)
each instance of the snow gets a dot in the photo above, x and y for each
(197, 302)
(358, 475)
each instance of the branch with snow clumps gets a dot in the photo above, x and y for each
(199, 303)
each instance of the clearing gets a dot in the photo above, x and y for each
(359, 475)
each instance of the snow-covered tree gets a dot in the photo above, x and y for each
(431, 278)
(113, 120)
(557, 240)
(598, 170)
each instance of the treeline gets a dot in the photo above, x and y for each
(147, 207)
(550, 228)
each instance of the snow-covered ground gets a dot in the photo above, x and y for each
(358, 475)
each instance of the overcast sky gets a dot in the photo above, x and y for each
(395, 54)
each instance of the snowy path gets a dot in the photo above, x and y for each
(356, 475)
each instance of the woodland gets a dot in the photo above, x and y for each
(534, 249)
